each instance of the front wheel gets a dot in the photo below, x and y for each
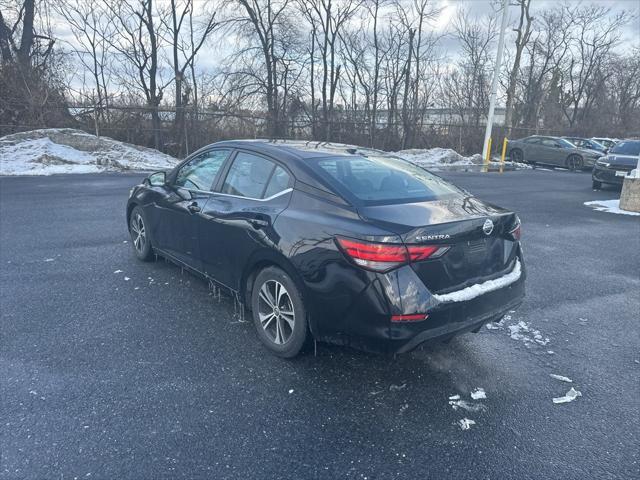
(574, 162)
(596, 184)
(140, 235)
(278, 312)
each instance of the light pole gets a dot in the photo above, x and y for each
(494, 82)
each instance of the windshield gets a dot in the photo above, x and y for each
(628, 147)
(384, 179)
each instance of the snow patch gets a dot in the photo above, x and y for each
(473, 291)
(523, 332)
(561, 378)
(66, 150)
(611, 206)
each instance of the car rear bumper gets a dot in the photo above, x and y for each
(368, 325)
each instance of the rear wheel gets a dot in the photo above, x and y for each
(278, 313)
(139, 235)
(574, 162)
(516, 155)
(596, 184)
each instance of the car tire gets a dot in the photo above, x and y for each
(596, 185)
(279, 315)
(516, 155)
(574, 162)
(140, 235)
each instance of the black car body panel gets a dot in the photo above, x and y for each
(228, 238)
(613, 167)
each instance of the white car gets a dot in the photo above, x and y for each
(607, 142)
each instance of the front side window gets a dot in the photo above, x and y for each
(250, 175)
(384, 179)
(200, 172)
(532, 140)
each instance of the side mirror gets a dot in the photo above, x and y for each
(157, 179)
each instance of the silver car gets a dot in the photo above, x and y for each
(552, 151)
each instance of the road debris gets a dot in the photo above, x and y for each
(561, 378)
(118, 271)
(454, 397)
(126, 279)
(569, 397)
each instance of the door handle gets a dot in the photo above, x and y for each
(194, 207)
(259, 223)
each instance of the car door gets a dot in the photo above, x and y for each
(238, 218)
(530, 147)
(551, 152)
(177, 212)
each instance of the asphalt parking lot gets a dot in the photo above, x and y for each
(111, 368)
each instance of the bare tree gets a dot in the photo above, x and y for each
(596, 32)
(523, 35)
(139, 46)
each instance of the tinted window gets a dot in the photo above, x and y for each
(547, 142)
(279, 182)
(626, 148)
(384, 179)
(532, 140)
(248, 176)
(200, 172)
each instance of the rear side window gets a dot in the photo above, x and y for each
(279, 182)
(200, 172)
(384, 179)
(252, 176)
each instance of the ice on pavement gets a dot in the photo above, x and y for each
(454, 397)
(465, 423)
(611, 206)
(473, 291)
(118, 271)
(478, 394)
(561, 378)
(523, 332)
(394, 388)
(66, 150)
(468, 406)
(570, 396)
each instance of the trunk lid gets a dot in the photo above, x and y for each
(481, 247)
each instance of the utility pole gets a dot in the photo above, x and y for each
(494, 83)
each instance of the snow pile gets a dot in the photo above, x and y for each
(570, 396)
(52, 151)
(427, 158)
(611, 206)
(438, 156)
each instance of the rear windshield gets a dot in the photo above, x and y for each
(384, 179)
(626, 148)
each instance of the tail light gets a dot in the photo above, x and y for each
(516, 231)
(382, 257)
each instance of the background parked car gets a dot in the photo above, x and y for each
(587, 143)
(607, 142)
(613, 167)
(552, 151)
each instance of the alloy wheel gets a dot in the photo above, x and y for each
(276, 312)
(138, 233)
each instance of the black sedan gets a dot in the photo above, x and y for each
(617, 164)
(362, 250)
